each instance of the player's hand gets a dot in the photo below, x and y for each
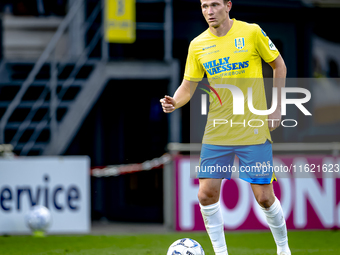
(168, 104)
(274, 120)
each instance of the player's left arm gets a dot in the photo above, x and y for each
(279, 81)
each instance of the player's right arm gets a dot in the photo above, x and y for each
(182, 96)
(193, 73)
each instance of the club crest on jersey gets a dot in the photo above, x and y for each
(271, 45)
(239, 43)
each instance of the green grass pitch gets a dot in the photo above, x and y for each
(239, 243)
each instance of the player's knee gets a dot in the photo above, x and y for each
(264, 200)
(207, 197)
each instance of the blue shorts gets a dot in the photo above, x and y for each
(255, 162)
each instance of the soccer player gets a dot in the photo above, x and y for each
(233, 49)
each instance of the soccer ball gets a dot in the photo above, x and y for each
(38, 219)
(185, 246)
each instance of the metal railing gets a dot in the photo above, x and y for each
(48, 57)
(51, 85)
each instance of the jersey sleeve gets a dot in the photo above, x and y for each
(265, 47)
(193, 68)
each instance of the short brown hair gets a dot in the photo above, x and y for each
(226, 1)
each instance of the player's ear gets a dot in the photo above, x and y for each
(229, 5)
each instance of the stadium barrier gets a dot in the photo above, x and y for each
(309, 201)
(116, 170)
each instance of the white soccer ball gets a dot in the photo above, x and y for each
(185, 246)
(38, 218)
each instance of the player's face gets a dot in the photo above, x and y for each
(215, 12)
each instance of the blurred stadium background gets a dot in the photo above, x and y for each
(84, 78)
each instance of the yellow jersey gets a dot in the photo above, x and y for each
(233, 59)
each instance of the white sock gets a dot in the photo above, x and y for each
(213, 221)
(277, 224)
